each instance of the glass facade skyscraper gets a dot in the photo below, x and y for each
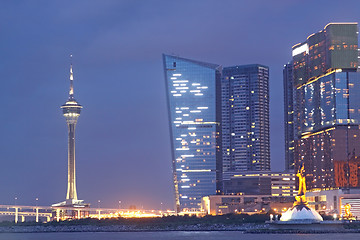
(289, 116)
(245, 119)
(194, 107)
(327, 104)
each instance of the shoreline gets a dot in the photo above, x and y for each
(124, 228)
(244, 229)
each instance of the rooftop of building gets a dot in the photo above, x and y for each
(204, 64)
(324, 30)
(246, 67)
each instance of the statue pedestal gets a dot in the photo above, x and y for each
(301, 212)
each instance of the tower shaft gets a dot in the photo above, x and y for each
(71, 189)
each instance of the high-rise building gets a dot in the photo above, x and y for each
(289, 116)
(194, 107)
(245, 119)
(327, 96)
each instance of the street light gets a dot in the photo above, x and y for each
(15, 200)
(119, 204)
(99, 203)
(37, 199)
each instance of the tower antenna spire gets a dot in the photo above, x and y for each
(71, 92)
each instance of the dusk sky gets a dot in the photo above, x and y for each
(122, 136)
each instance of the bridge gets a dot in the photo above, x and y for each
(56, 213)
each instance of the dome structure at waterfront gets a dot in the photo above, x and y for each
(301, 213)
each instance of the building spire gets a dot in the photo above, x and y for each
(71, 92)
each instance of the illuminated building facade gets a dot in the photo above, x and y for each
(347, 173)
(283, 184)
(227, 204)
(193, 97)
(289, 116)
(327, 101)
(242, 203)
(333, 201)
(245, 119)
(276, 184)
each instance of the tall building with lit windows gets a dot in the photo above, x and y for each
(289, 116)
(326, 82)
(245, 119)
(194, 107)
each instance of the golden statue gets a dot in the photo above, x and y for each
(348, 214)
(300, 210)
(300, 198)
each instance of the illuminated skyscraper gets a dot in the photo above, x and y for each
(326, 81)
(245, 119)
(289, 116)
(194, 107)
